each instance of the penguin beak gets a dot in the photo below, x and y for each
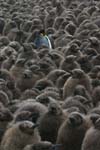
(35, 125)
(26, 75)
(34, 117)
(87, 102)
(72, 120)
(70, 72)
(94, 118)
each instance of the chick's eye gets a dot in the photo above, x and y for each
(79, 119)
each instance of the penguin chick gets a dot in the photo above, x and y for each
(20, 135)
(96, 96)
(50, 122)
(28, 78)
(62, 79)
(81, 90)
(37, 109)
(5, 117)
(7, 64)
(92, 137)
(69, 63)
(53, 75)
(4, 99)
(18, 68)
(71, 102)
(43, 83)
(78, 77)
(72, 132)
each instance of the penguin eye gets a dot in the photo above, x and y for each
(56, 56)
(79, 120)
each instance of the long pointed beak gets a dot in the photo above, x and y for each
(35, 125)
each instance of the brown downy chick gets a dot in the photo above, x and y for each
(78, 77)
(19, 135)
(69, 63)
(50, 122)
(72, 132)
(92, 137)
(18, 68)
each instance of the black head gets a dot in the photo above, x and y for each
(20, 62)
(97, 124)
(35, 116)
(70, 59)
(42, 31)
(75, 119)
(77, 73)
(27, 74)
(94, 117)
(54, 108)
(27, 127)
(5, 115)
